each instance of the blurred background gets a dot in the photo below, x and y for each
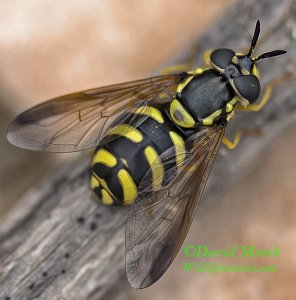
(49, 48)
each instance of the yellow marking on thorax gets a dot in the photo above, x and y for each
(151, 112)
(128, 132)
(128, 186)
(179, 147)
(180, 116)
(229, 108)
(182, 85)
(155, 165)
(196, 71)
(230, 116)
(210, 119)
(106, 198)
(105, 157)
(230, 104)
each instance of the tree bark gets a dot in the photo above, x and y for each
(58, 243)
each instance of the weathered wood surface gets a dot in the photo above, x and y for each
(57, 243)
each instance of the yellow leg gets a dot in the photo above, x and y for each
(207, 63)
(232, 144)
(174, 69)
(206, 56)
(238, 135)
(267, 93)
(188, 66)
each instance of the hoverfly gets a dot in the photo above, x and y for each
(156, 140)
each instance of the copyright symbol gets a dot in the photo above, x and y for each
(190, 250)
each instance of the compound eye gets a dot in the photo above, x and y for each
(248, 86)
(222, 57)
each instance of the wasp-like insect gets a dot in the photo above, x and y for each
(156, 140)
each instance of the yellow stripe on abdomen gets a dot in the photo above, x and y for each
(128, 132)
(104, 157)
(150, 111)
(106, 198)
(155, 165)
(179, 147)
(94, 182)
(128, 186)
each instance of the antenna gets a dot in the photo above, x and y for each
(255, 38)
(270, 54)
(254, 42)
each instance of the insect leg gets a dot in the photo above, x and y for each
(232, 144)
(206, 57)
(174, 69)
(206, 65)
(187, 67)
(238, 136)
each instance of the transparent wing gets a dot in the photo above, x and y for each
(159, 221)
(80, 120)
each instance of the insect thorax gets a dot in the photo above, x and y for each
(203, 99)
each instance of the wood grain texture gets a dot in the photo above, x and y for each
(57, 243)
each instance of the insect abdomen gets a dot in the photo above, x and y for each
(110, 179)
(131, 151)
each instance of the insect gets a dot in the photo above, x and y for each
(156, 140)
